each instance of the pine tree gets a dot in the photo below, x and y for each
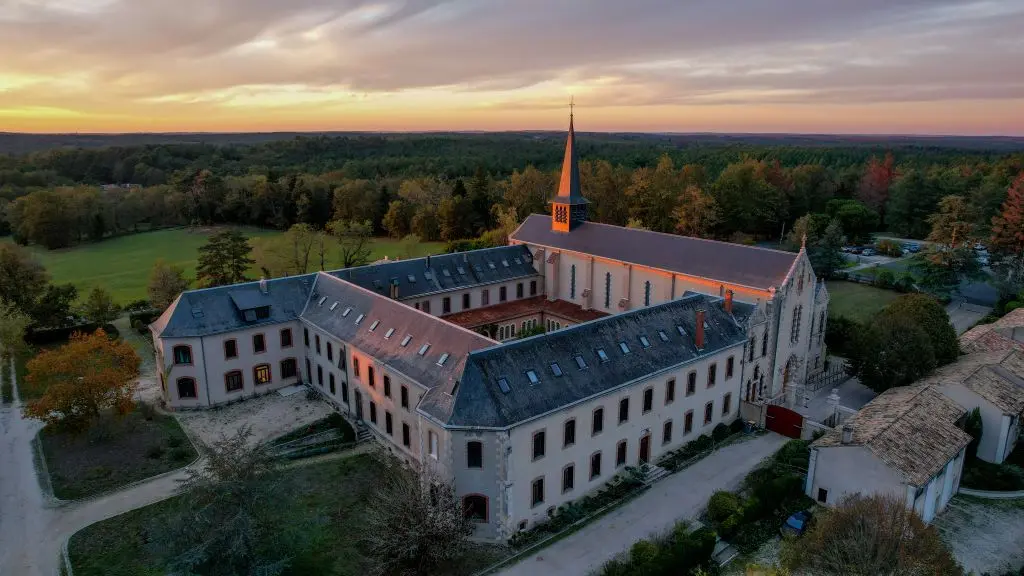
(224, 259)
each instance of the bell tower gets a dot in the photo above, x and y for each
(569, 207)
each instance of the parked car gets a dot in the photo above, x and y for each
(915, 247)
(855, 250)
(979, 247)
(797, 523)
(869, 252)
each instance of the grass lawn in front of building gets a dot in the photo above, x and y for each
(114, 451)
(857, 301)
(326, 501)
(122, 265)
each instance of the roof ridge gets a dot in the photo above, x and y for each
(433, 256)
(248, 282)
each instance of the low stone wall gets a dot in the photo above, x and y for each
(992, 495)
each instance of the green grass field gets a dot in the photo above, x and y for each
(122, 265)
(857, 301)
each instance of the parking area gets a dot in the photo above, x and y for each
(268, 416)
(984, 535)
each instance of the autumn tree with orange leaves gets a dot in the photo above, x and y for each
(1007, 242)
(89, 374)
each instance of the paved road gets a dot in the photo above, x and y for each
(680, 496)
(964, 316)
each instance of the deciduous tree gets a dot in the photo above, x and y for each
(88, 374)
(953, 225)
(13, 323)
(53, 308)
(224, 259)
(696, 213)
(22, 277)
(396, 220)
(1007, 241)
(873, 189)
(99, 307)
(353, 241)
(166, 281)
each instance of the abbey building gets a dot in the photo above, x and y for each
(529, 374)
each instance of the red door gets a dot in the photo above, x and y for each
(784, 421)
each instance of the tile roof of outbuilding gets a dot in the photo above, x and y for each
(749, 266)
(483, 402)
(991, 337)
(359, 327)
(997, 376)
(421, 276)
(911, 429)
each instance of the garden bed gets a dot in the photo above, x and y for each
(114, 451)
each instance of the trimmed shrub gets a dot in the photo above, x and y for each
(884, 278)
(736, 425)
(721, 432)
(722, 505)
(702, 443)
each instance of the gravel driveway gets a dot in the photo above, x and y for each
(985, 535)
(269, 416)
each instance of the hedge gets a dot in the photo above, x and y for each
(50, 336)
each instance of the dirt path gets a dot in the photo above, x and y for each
(985, 535)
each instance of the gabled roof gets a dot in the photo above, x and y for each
(497, 391)
(994, 336)
(420, 276)
(912, 429)
(724, 262)
(998, 377)
(215, 310)
(366, 325)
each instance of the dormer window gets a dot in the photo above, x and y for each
(374, 325)
(249, 315)
(533, 377)
(423, 349)
(446, 273)
(322, 300)
(405, 341)
(360, 318)
(263, 312)
(461, 270)
(442, 359)
(662, 335)
(645, 342)
(412, 279)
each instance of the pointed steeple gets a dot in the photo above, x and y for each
(569, 207)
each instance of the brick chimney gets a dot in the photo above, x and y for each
(728, 301)
(699, 337)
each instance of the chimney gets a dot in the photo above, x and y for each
(728, 301)
(263, 285)
(699, 337)
(847, 434)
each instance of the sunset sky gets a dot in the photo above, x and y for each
(836, 66)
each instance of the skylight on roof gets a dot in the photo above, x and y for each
(428, 275)
(528, 257)
(533, 377)
(412, 279)
(461, 270)
(405, 341)
(681, 331)
(360, 318)
(602, 355)
(491, 265)
(479, 269)
(446, 273)
(623, 347)
(580, 362)
(645, 342)
(662, 335)
(442, 359)
(706, 327)
(503, 385)
(504, 263)
(556, 369)
(374, 325)
(322, 300)
(333, 306)
(387, 335)
(346, 312)
(517, 260)
(423, 349)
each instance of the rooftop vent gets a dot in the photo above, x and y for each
(360, 318)
(503, 385)
(333, 306)
(405, 341)
(263, 286)
(346, 312)
(423, 349)
(374, 325)
(442, 359)
(387, 335)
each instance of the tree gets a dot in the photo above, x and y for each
(228, 519)
(89, 374)
(933, 319)
(528, 191)
(942, 269)
(826, 253)
(1007, 241)
(166, 281)
(414, 522)
(396, 220)
(913, 198)
(455, 216)
(22, 277)
(13, 323)
(425, 224)
(858, 221)
(224, 259)
(53, 308)
(873, 535)
(294, 252)
(99, 307)
(353, 241)
(873, 189)
(696, 213)
(953, 225)
(653, 195)
(747, 201)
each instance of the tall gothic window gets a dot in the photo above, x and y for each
(607, 289)
(764, 344)
(647, 293)
(794, 331)
(572, 282)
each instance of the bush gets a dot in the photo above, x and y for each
(736, 426)
(721, 432)
(722, 505)
(138, 306)
(155, 452)
(905, 283)
(145, 317)
(884, 278)
(981, 475)
(839, 334)
(680, 551)
(702, 443)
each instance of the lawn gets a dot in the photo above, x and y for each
(115, 451)
(325, 500)
(857, 301)
(122, 264)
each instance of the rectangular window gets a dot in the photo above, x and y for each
(533, 287)
(387, 386)
(405, 397)
(485, 297)
(598, 424)
(712, 373)
(595, 465)
(446, 305)
(623, 410)
(666, 432)
(286, 337)
(709, 410)
(259, 344)
(371, 378)
(319, 375)
(317, 337)
(289, 368)
(670, 391)
(823, 495)
(305, 336)
(465, 302)
(519, 290)
(426, 306)
(537, 497)
(620, 454)
(688, 422)
(691, 383)
(432, 443)
(330, 352)
(233, 381)
(355, 367)
(330, 379)
(230, 349)
(568, 477)
(726, 404)
(344, 392)
(648, 400)
(388, 423)
(405, 435)
(569, 436)
(186, 388)
(729, 367)
(474, 454)
(262, 373)
(502, 294)
(538, 445)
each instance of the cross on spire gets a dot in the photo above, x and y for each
(572, 104)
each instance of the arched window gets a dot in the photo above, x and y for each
(750, 351)
(647, 293)
(186, 387)
(572, 281)
(764, 344)
(182, 354)
(607, 289)
(475, 507)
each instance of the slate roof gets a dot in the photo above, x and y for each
(998, 377)
(569, 180)
(372, 337)
(215, 310)
(991, 337)
(481, 402)
(721, 261)
(443, 272)
(518, 308)
(911, 429)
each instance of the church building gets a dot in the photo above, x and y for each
(528, 374)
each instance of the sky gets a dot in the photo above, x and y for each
(812, 66)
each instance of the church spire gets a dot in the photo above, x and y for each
(569, 207)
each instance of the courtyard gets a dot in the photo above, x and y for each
(984, 535)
